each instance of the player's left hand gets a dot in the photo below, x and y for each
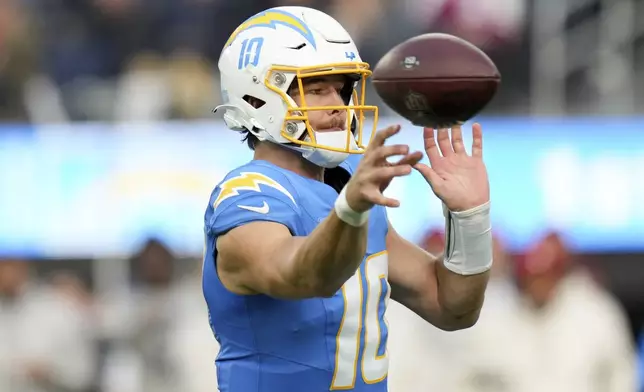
(458, 179)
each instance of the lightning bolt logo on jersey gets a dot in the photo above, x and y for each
(247, 182)
(317, 344)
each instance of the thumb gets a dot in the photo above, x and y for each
(430, 175)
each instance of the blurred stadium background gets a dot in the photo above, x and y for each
(108, 152)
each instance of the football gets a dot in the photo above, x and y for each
(436, 80)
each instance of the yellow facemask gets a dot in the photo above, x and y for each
(275, 78)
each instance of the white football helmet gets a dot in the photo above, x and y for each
(270, 52)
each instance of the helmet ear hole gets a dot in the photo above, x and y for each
(254, 101)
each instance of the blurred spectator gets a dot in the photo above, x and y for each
(154, 88)
(486, 24)
(17, 60)
(46, 334)
(148, 60)
(160, 339)
(82, 48)
(568, 327)
(424, 358)
(563, 333)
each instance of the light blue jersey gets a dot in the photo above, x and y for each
(310, 345)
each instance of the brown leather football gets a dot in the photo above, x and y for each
(436, 80)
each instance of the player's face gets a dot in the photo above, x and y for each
(13, 276)
(323, 91)
(545, 267)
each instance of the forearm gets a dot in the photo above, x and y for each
(460, 296)
(329, 256)
(447, 293)
(462, 272)
(422, 283)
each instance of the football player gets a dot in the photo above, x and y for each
(300, 260)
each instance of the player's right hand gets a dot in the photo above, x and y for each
(374, 173)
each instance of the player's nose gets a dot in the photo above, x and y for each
(335, 100)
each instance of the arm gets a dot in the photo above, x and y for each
(449, 291)
(263, 257)
(422, 283)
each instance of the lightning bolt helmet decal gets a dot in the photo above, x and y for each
(271, 18)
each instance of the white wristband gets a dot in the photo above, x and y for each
(468, 242)
(347, 214)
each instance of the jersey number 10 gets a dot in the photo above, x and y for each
(364, 317)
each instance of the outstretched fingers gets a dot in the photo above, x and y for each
(382, 136)
(430, 174)
(457, 140)
(431, 148)
(477, 140)
(444, 142)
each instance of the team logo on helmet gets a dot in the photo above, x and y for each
(271, 18)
